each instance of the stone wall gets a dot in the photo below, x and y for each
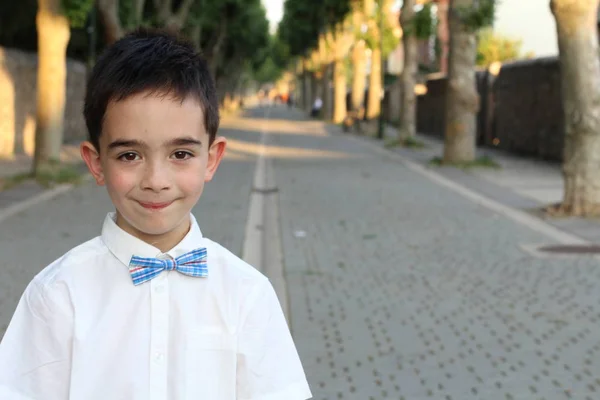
(528, 116)
(18, 79)
(520, 111)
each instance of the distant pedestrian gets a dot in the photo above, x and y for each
(316, 109)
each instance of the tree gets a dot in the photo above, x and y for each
(375, 84)
(576, 24)
(462, 101)
(359, 61)
(409, 72)
(493, 47)
(415, 26)
(53, 21)
(314, 31)
(343, 41)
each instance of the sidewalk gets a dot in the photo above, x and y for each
(402, 289)
(522, 183)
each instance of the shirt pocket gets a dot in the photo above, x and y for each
(211, 366)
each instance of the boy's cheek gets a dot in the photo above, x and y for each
(119, 180)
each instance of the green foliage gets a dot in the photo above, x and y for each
(492, 47)
(267, 72)
(300, 26)
(304, 20)
(77, 11)
(127, 14)
(390, 41)
(477, 16)
(425, 26)
(273, 62)
(422, 24)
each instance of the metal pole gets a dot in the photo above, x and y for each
(381, 127)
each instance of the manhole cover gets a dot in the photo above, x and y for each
(571, 249)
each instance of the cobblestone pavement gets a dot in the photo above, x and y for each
(34, 238)
(402, 289)
(398, 288)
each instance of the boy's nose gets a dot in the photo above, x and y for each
(155, 178)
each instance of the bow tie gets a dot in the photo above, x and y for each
(144, 269)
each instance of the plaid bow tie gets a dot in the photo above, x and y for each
(192, 264)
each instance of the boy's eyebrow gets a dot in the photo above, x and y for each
(184, 141)
(125, 143)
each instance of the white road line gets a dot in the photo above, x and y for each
(262, 240)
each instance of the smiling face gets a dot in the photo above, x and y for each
(154, 159)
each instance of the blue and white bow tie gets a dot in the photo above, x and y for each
(144, 269)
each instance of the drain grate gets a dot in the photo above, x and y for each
(570, 249)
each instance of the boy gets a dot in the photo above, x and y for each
(150, 309)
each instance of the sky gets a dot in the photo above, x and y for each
(274, 12)
(529, 20)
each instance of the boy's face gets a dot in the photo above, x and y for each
(154, 160)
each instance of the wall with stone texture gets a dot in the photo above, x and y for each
(18, 78)
(528, 116)
(520, 112)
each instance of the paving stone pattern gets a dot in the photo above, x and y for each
(402, 289)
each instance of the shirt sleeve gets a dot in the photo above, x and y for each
(268, 367)
(35, 353)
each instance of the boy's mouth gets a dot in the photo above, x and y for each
(155, 206)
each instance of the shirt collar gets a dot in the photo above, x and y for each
(124, 245)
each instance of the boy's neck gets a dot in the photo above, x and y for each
(163, 242)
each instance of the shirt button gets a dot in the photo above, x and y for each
(158, 357)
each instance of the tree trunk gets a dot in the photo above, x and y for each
(343, 42)
(409, 72)
(374, 101)
(339, 84)
(443, 34)
(301, 100)
(359, 64)
(309, 78)
(580, 84)
(53, 37)
(215, 54)
(327, 92)
(109, 14)
(359, 61)
(195, 36)
(462, 100)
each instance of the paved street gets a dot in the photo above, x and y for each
(398, 287)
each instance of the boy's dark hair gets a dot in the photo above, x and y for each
(149, 60)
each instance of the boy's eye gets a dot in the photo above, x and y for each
(182, 155)
(129, 157)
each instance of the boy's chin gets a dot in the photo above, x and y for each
(154, 225)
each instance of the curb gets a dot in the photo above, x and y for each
(520, 217)
(48, 194)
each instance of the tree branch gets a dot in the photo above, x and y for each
(164, 10)
(139, 10)
(178, 19)
(109, 14)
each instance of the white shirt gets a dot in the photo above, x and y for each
(83, 331)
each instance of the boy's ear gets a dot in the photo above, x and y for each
(92, 159)
(215, 155)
